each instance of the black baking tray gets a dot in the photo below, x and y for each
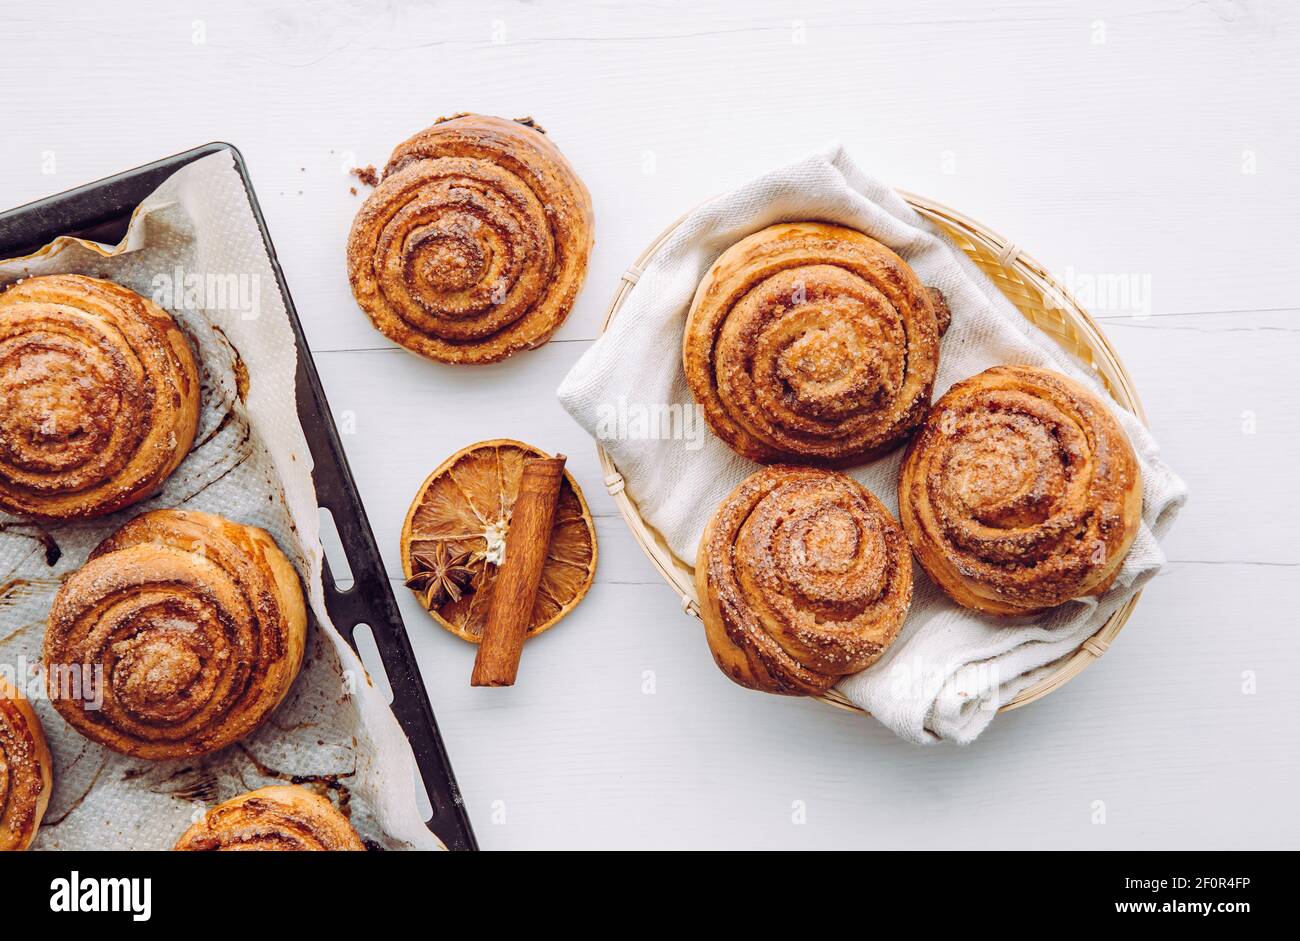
(101, 211)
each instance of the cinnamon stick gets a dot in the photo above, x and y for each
(527, 542)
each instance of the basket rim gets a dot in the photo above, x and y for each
(1115, 378)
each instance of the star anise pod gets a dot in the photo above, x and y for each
(440, 576)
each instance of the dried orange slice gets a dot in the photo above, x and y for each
(458, 522)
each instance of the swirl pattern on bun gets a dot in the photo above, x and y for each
(284, 818)
(813, 344)
(26, 776)
(99, 397)
(803, 578)
(178, 637)
(475, 243)
(1020, 492)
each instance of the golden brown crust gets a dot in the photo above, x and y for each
(26, 777)
(475, 243)
(193, 628)
(812, 343)
(99, 397)
(272, 818)
(803, 578)
(1020, 492)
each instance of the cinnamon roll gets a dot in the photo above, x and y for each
(475, 243)
(99, 397)
(803, 577)
(1020, 492)
(25, 770)
(812, 344)
(178, 637)
(272, 818)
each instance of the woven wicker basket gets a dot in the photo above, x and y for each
(1043, 302)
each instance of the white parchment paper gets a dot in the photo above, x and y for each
(194, 246)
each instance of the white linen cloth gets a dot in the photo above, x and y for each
(949, 669)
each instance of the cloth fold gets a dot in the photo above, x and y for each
(950, 669)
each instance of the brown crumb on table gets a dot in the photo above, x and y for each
(366, 175)
(352, 190)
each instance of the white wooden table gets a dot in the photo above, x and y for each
(1151, 143)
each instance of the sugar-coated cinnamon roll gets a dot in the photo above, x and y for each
(812, 343)
(99, 397)
(285, 817)
(1020, 492)
(475, 243)
(803, 577)
(179, 636)
(25, 770)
